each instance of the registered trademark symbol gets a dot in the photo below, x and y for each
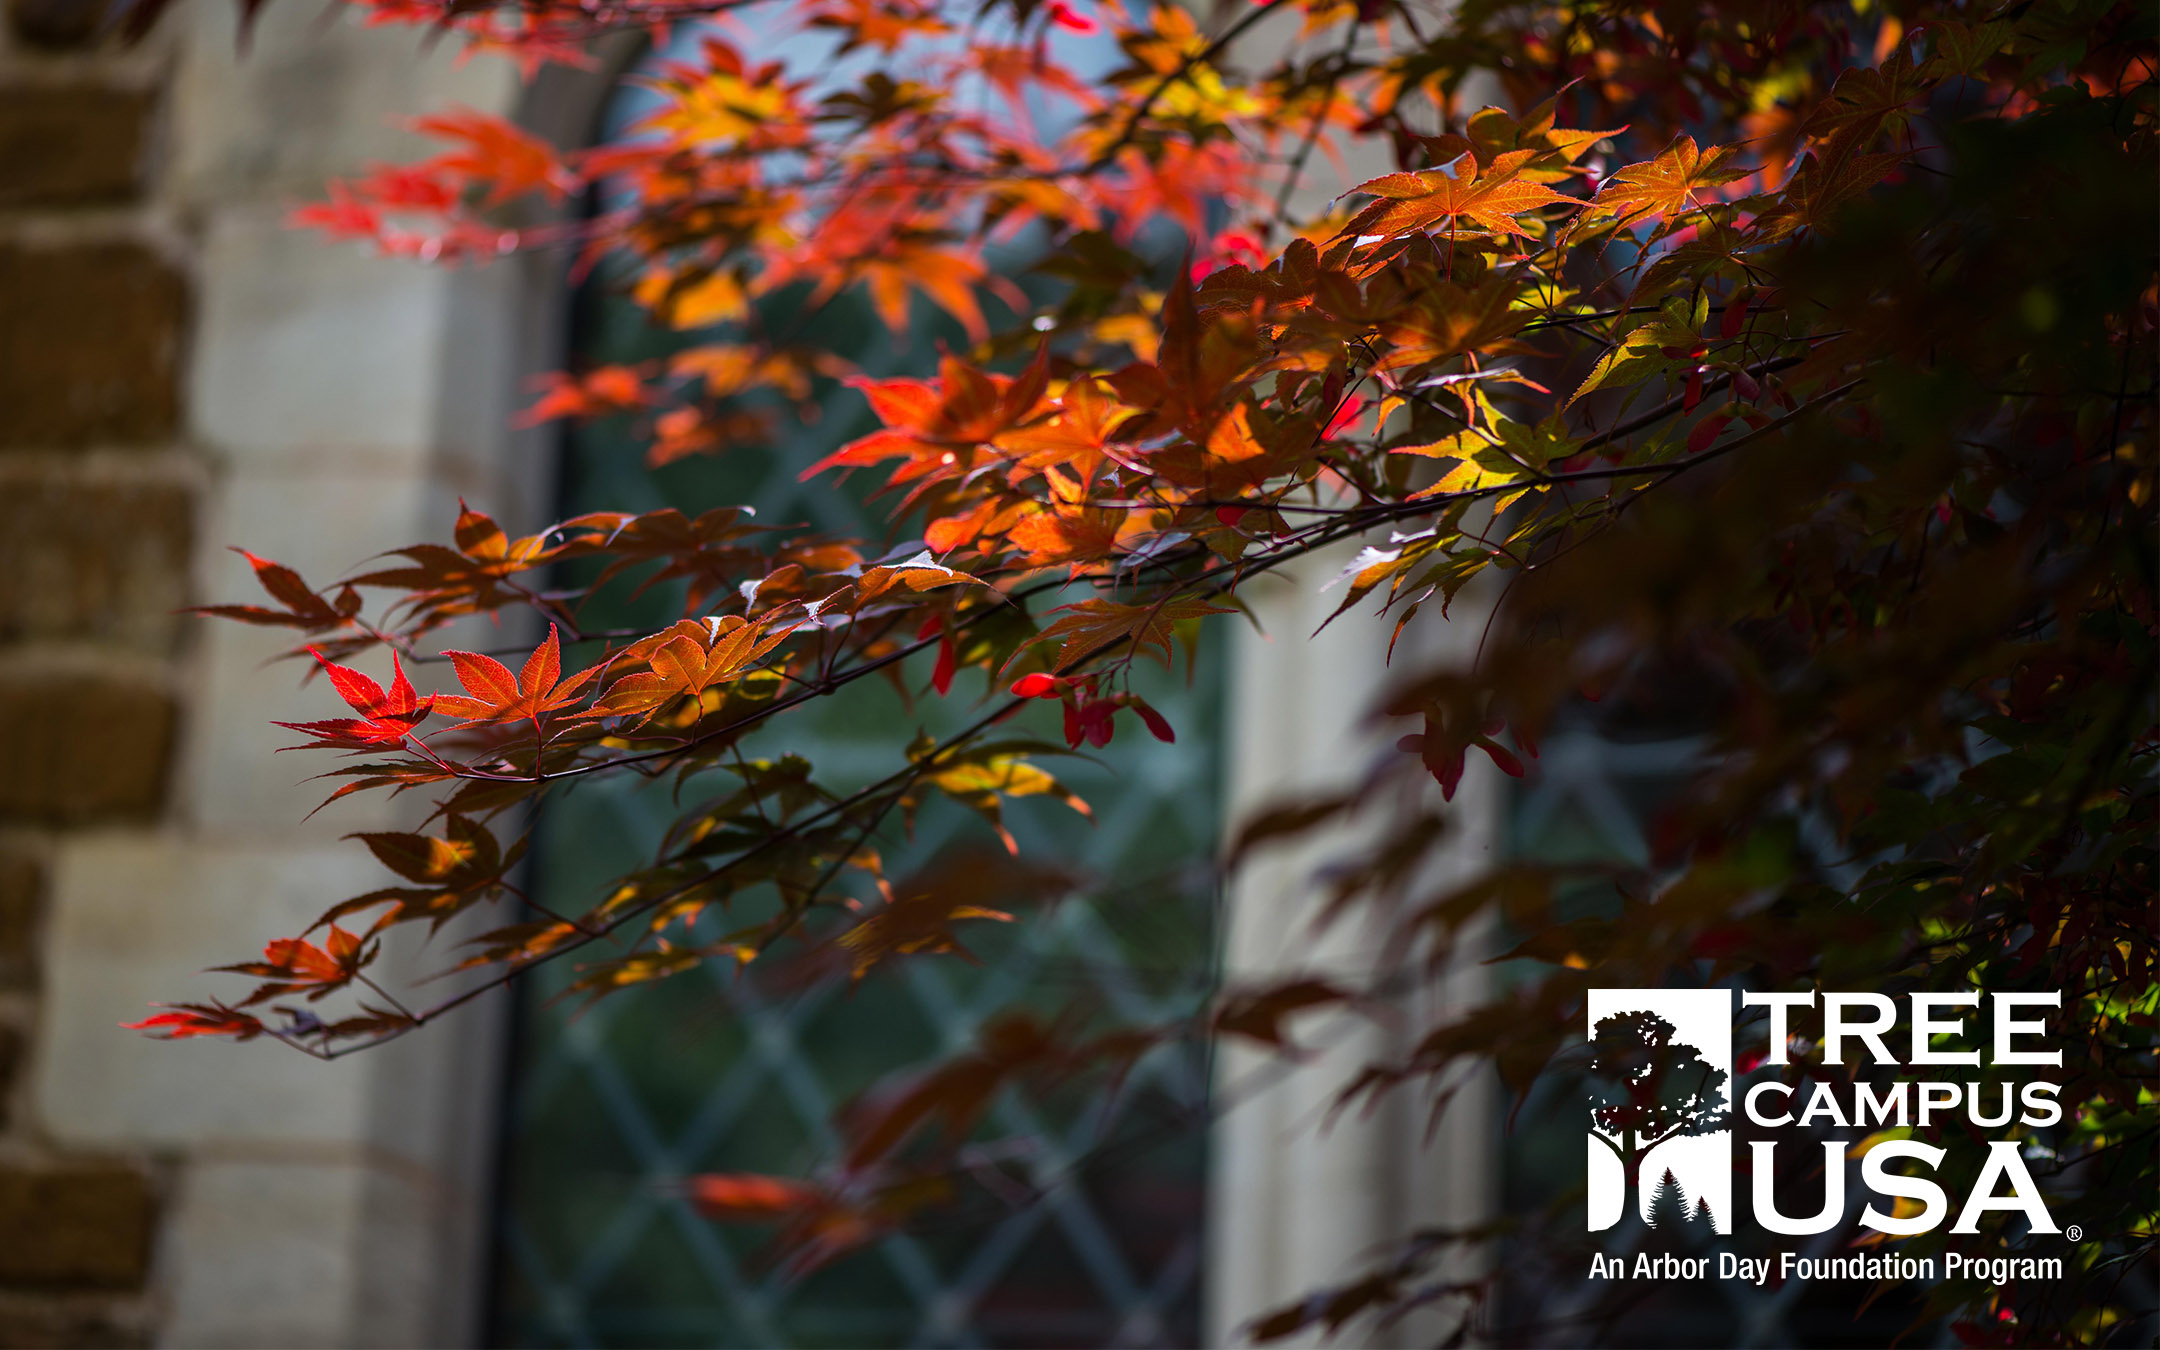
(2074, 1233)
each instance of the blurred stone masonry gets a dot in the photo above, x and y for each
(98, 506)
(98, 510)
(178, 372)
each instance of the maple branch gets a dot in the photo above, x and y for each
(1353, 522)
(529, 902)
(1184, 68)
(832, 870)
(1296, 168)
(790, 831)
(1679, 405)
(393, 1000)
(1357, 521)
(1341, 524)
(825, 685)
(1724, 448)
(1570, 320)
(899, 779)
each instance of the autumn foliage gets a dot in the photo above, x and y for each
(1791, 365)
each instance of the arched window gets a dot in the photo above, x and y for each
(1092, 1235)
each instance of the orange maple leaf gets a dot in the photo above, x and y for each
(498, 696)
(182, 1020)
(290, 965)
(883, 24)
(454, 871)
(1490, 199)
(693, 658)
(938, 424)
(1087, 420)
(1667, 185)
(1075, 533)
(751, 1197)
(597, 393)
(499, 153)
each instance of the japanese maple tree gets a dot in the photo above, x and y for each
(1792, 362)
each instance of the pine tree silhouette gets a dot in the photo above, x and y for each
(1702, 1217)
(1668, 1205)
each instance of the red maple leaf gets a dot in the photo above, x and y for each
(295, 965)
(750, 1197)
(183, 1020)
(342, 217)
(304, 607)
(510, 160)
(385, 719)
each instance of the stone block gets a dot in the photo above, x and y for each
(340, 1203)
(13, 1046)
(304, 99)
(21, 882)
(81, 1224)
(80, 746)
(72, 145)
(315, 350)
(100, 558)
(40, 1322)
(11, 1054)
(89, 344)
(231, 776)
(57, 25)
(137, 919)
(330, 1253)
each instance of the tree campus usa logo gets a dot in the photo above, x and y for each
(1661, 1074)
(1662, 1114)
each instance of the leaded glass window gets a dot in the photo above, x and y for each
(610, 1109)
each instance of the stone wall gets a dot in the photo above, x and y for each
(99, 499)
(179, 372)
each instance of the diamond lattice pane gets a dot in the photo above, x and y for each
(612, 1107)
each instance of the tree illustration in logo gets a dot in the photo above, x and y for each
(1669, 1211)
(1645, 1088)
(1668, 1206)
